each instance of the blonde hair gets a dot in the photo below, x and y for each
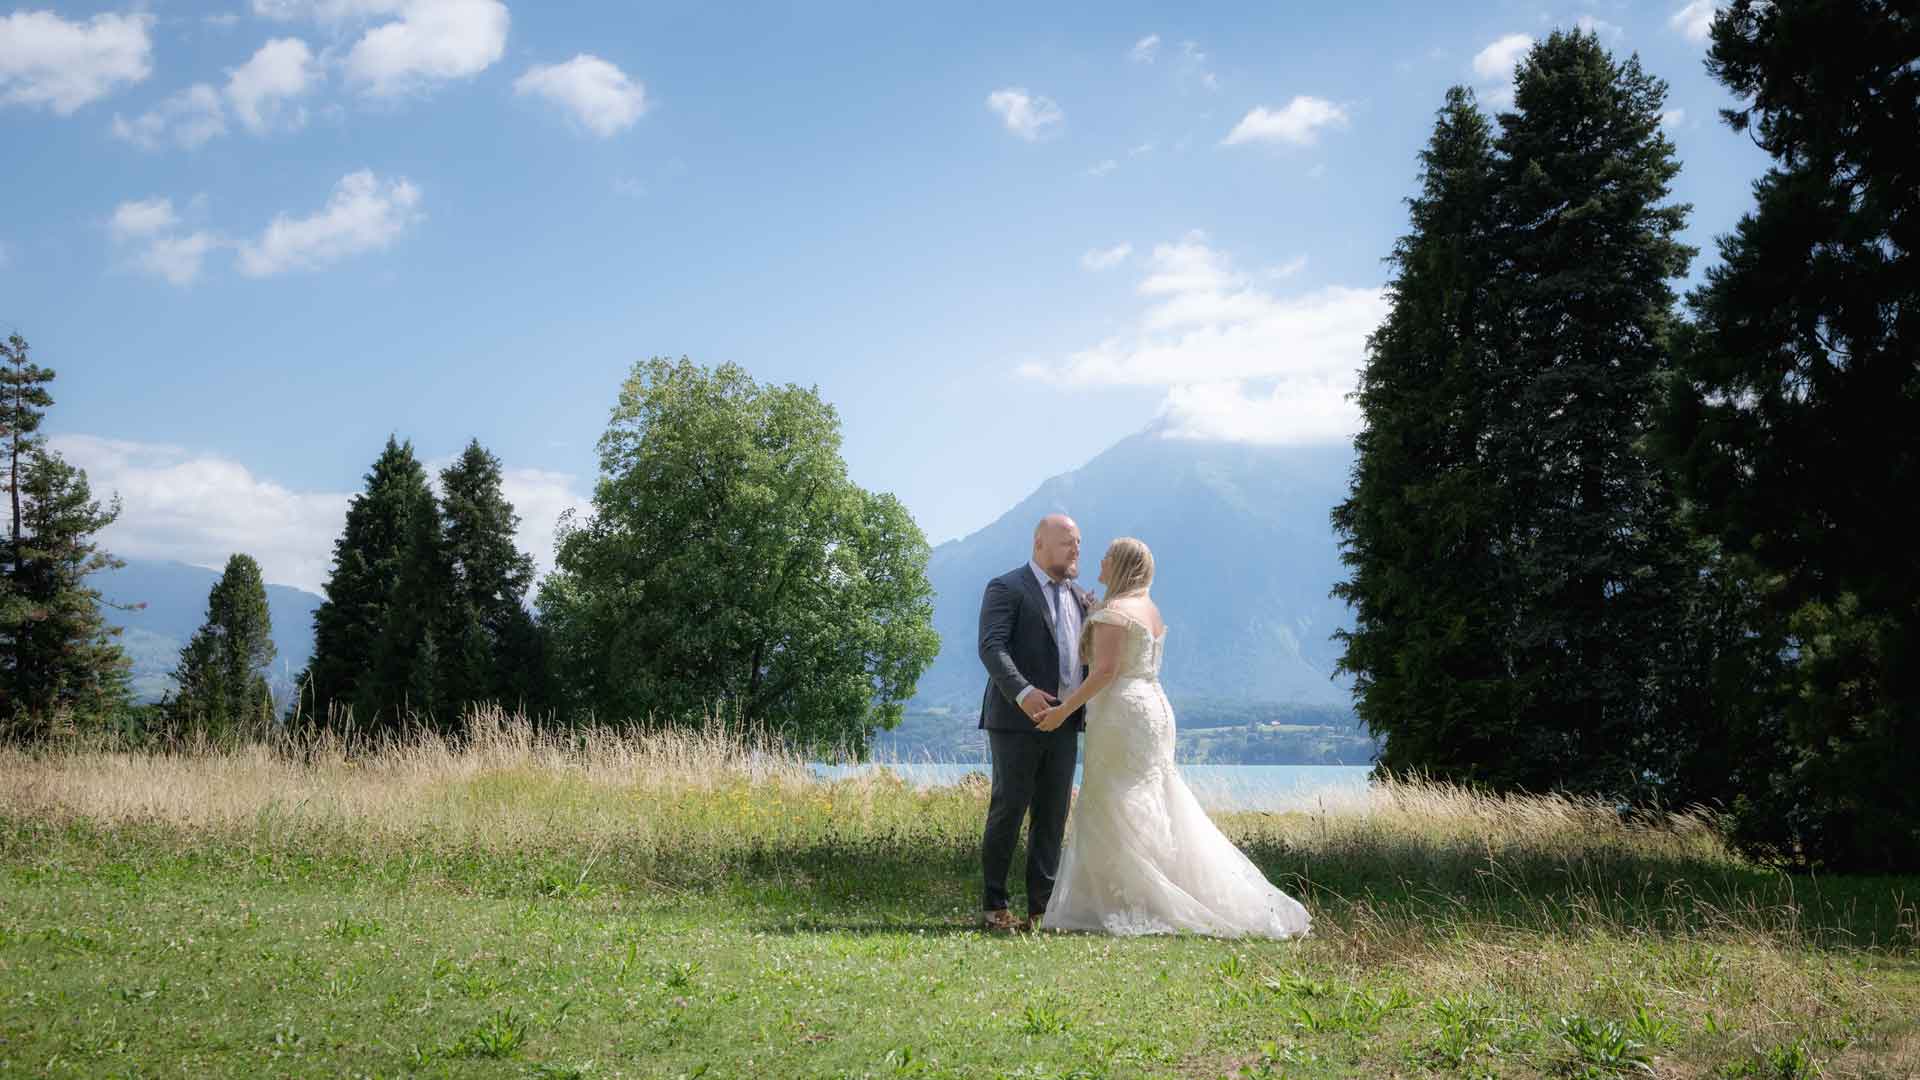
(1130, 573)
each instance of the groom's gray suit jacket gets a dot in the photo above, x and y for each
(1017, 647)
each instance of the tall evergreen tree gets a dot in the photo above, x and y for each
(348, 627)
(1586, 248)
(1423, 531)
(1795, 423)
(59, 660)
(406, 681)
(223, 688)
(492, 652)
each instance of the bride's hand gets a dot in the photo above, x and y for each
(1052, 718)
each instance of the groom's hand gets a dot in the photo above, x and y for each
(1036, 704)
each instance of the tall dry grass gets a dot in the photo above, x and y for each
(700, 808)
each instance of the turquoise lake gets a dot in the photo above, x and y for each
(1219, 787)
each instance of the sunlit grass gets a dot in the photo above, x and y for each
(628, 904)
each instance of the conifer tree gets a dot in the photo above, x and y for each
(349, 625)
(223, 688)
(1423, 528)
(492, 648)
(1586, 246)
(406, 683)
(60, 663)
(1794, 424)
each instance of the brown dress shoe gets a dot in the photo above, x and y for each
(1000, 921)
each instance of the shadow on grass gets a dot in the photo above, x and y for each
(913, 880)
(1418, 886)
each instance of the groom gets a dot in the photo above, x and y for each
(1030, 642)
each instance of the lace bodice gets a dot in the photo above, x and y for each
(1143, 650)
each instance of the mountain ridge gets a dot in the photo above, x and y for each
(1245, 557)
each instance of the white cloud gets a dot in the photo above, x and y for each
(139, 218)
(1292, 412)
(1030, 117)
(1673, 118)
(1102, 168)
(258, 90)
(1695, 20)
(432, 41)
(222, 21)
(1600, 27)
(363, 214)
(46, 60)
(539, 497)
(164, 252)
(326, 10)
(283, 69)
(1299, 123)
(1145, 49)
(199, 508)
(177, 258)
(187, 119)
(1107, 259)
(420, 44)
(598, 94)
(1238, 362)
(1143, 148)
(1498, 60)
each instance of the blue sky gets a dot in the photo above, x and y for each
(255, 237)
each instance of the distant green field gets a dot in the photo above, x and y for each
(686, 907)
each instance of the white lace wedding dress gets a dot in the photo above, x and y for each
(1141, 855)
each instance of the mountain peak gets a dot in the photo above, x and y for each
(1245, 555)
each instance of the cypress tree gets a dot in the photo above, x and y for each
(406, 684)
(492, 650)
(1794, 424)
(1422, 528)
(350, 623)
(1586, 249)
(221, 675)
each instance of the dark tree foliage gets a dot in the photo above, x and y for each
(1794, 424)
(1424, 530)
(1586, 248)
(60, 663)
(406, 681)
(1529, 611)
(493, 649)
(383, 526)
(425, 613)
(731, 569)
(223, 691)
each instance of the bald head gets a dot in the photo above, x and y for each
(1056, 547)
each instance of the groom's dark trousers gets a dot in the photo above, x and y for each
(1032, 769)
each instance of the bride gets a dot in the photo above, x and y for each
(1141, 855)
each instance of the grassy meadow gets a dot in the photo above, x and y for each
(686, 905)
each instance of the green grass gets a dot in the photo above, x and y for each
(595, 912)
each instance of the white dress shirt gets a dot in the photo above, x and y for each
(1070, 618)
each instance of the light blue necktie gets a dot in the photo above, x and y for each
(1061, 639)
